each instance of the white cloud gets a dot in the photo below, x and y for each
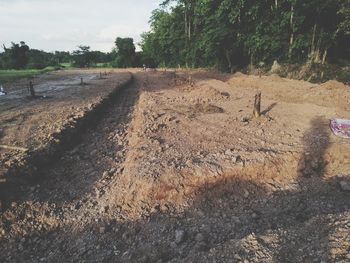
(65, 24)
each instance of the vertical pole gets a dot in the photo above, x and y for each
(81, 81)
(257, 105)
(31, 89)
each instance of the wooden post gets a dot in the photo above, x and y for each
(257, 105)
(100, 75)
(81, 81)
(190, 81)
(31, 89)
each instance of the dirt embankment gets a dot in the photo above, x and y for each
(53, 121)
(178, 170)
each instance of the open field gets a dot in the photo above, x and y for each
(11, 75)
(150, 167)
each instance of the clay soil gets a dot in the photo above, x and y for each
(162, 167)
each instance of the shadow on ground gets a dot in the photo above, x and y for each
(223, 223)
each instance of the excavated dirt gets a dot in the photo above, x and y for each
(176, 169)
(37, 125)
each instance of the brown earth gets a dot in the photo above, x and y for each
(173, 170)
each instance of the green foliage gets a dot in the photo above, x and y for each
(15, 57)
(230, 33)
(125, 53)
(20, 56)
(82, 57)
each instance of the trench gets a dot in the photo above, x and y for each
(35, 165)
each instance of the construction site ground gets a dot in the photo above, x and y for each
(171, 166)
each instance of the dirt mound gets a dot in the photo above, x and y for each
(333, 84)
(204, 92)
(275, 77)
(207, 108)
(238, 75)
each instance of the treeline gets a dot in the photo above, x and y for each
(21, 56)
(233, 33)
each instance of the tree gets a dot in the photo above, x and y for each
(83, 57)
(229, 33)
(15, 57)
(125, 50)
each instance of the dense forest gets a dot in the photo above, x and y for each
(233, 33)
(225, 34)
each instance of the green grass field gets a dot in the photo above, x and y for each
(12, 75)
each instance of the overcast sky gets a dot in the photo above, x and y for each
(64, 24)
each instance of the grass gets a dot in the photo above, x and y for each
(12, 75)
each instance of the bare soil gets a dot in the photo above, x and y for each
(175, 169)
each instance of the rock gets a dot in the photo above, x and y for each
(236, 159)
(179, 236)
(228, 152)
(345, 186)
(275, 68)
(246, 194)
(245, 119)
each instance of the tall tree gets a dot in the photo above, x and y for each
(125, 50)
(83, 57)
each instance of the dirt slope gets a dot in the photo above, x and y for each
(181, 172)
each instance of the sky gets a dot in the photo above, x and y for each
(64, 24)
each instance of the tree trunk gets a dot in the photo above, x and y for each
(291, 39)
(227, 53)
(317, 53)
(290, 51)
(251, 60)
(324, 57)
(185, 20)
(312, 50)
(189, 28)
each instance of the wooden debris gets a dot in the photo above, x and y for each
(13, 148)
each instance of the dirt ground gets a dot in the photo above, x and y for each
(33, 123)
(172, 170)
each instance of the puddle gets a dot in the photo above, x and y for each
(47, 87)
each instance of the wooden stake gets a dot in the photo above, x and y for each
(257, 105)
(81, 81)
(31, 89)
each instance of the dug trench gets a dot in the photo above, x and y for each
(32, 168)
(162, 179)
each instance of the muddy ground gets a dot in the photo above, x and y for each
(171, 170)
